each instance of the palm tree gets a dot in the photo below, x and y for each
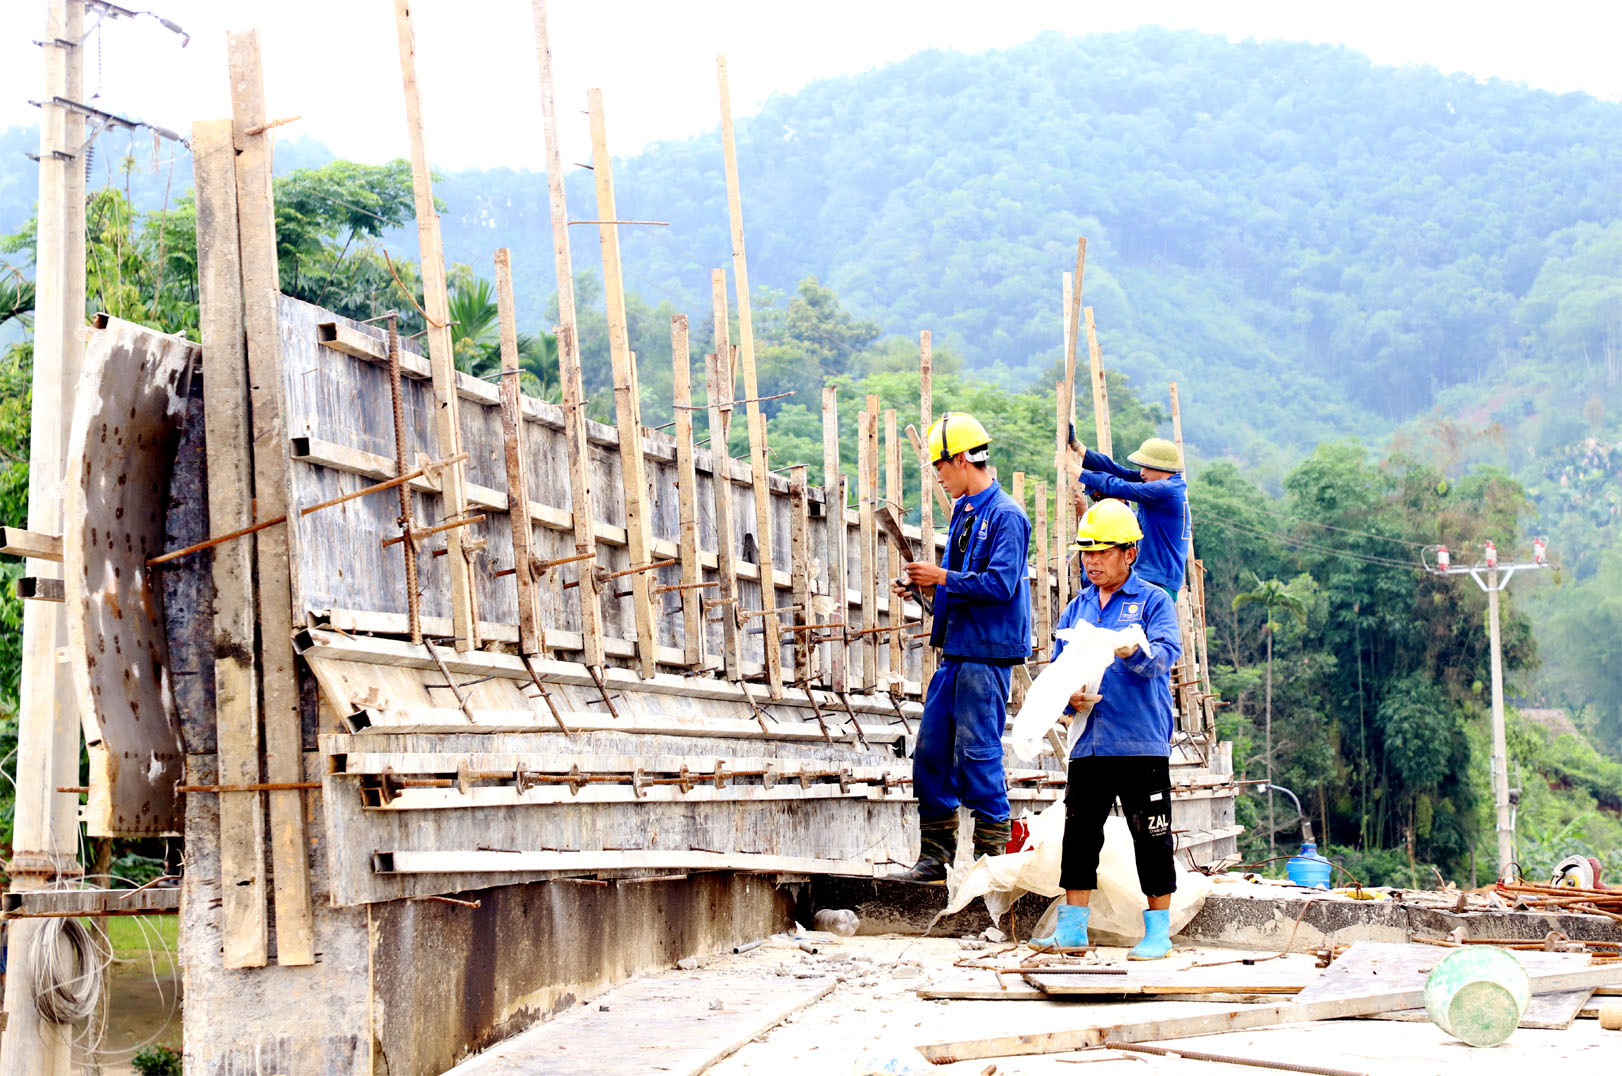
(1271, 595)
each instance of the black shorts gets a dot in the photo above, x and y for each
(1142, 784)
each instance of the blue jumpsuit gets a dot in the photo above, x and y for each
(1162, 510)
(983, 627)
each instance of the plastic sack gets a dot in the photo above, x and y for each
(1088, 652)
(1117, 904)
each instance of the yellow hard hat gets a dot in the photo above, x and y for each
(1159, 453)
(957, 432)
(1107, 524)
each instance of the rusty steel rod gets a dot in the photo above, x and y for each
(436, 529)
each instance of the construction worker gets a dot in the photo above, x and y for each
(1161, 494)
(983, 627)
(1124, 753)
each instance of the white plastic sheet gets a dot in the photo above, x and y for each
(1117, 904)
(1088, 652)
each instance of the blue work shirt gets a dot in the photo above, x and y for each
(983, 610)
(1133, 715)
(1162, 512)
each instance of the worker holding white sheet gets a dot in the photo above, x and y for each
(1124, 753)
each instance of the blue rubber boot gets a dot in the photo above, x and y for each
(1070, 932)
(1156, 941)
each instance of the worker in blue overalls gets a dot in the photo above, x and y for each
(1124, 753)
(983, 627)
(1156, 486)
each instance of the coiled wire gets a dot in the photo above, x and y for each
(68, 963)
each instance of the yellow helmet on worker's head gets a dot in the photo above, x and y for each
(1107, 524)
(957, 432)
(1160, 454)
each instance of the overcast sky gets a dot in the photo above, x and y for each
(335, 62)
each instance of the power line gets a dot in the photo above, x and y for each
(1303, 545)
(1281, 514)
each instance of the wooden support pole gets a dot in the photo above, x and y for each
(892, 494)
(567, 332)
(867, 478)
(1095, 358)
(228, 446)
(1017, 491)
(627, 407)
(833, 493)
(726, 534)
(276, 549)
(530, 633)
(931, 479)
(692, 599)
(45, 837)
(441, 354)
(1043, 590)
(800, 556)
(1062, 515)
(926, 480)
(757, 419)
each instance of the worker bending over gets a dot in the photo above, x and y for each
(1125, 751)
(1162, 496)
(983, 627)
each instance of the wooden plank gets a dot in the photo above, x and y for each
(1063, 516)
(689, 1022)
(276, 549)
(67, 902)
(460, 861)
(229, 450)
(1305, 1008)
(867, 469)
(926, 479)
(441, 355)
(429, 720)
(569, 373)
(692, 596)
(1095, 358)
(627, 408)
(21, 542)
(833, 498)
(726, 541)
(757, 418)
(530, 640)
(801, 558)
(1043, 591)
(893, 495)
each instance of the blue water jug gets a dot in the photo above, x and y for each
(1309, 868)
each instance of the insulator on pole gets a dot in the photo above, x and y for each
(1539, 550)
(1443, 560)
(1492, 555)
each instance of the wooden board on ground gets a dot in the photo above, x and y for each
(1371, 966)
(1358, 996)
(665, 1023)
(1270, 977)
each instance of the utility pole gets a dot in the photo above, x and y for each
(1496, 579)
(46, 826)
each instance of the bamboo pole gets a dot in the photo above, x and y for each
(757, 419)
(441, 354)
(627, 408)
(569, 375)
(926, 506)
(833, 492)
(692, 600)
(530, 632)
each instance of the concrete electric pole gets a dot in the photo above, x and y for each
(46, 838)
(1496, 579)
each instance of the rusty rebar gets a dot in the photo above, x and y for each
(450, 681)
(397, 398)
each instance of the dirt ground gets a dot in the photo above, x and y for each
(874, 1020)
(143, 993)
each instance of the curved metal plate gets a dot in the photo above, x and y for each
(127, 417)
